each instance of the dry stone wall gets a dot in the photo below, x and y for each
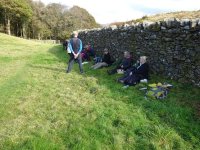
(172, 45)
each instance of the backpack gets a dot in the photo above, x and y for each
(158, 91)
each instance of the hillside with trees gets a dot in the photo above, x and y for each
(34, 20)
(162, 16)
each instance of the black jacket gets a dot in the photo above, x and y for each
(107, 59)
(143, 71)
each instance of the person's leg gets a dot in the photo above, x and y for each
(97, 66)
(113, 71)
(103, 64)
(131, 80)
(80, 64)
(71, 62)
(94, 66)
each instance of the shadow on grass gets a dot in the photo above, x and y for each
(59, 53)
(63, 56)
(48, 68)
(176, 112)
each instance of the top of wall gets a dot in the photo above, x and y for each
(170, 23)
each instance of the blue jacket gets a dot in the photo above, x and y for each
(75, 45)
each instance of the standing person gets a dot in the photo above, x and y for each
(75, 45)
(65, 44)
(66, 47)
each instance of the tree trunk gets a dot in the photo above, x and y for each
(39, 37)
(7, 24)
(21, 32)
(17, 30)
(24, 31)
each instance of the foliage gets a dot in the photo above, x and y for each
(82, 18)
(32, 19)
(42, 107)
(18, 12)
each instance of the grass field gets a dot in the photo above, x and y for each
(43, 108)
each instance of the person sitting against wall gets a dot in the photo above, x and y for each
(106, 60)
(84, 55)
(135, 74)
(91, 50)
(125, 63)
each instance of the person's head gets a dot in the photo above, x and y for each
(126, 54)
(86, 46)
(105, 51)
(75, 34)
(143, 59)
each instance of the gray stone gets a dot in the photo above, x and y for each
(186, 27)
(171, 22)
(185, 22)
(163, 28)
(194, 23)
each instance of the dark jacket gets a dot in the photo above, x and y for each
(126, 62)
(75, 45)
(142, 71)
(139, 73)
(107, 58)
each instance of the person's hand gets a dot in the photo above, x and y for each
(75, 56)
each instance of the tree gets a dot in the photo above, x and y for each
(82, 19)
(37, 26)
(53, 17)
(31, 19)
(15, 10)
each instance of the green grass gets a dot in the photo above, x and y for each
(42, 107)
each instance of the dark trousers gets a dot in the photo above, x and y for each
(71, 62)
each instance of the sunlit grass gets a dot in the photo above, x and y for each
(42, 107)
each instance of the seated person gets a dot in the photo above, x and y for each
(135, 74)
(97, 59)
(90, 50)
(84, 55)
(124, 65)
(106, 60)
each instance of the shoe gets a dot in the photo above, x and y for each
(125, 87)
(84, 62)
(121, 81)
(144, 81)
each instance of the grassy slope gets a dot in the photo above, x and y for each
(162, 16)
(179, 15)
(42, 107)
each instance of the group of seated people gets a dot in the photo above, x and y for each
(133, 72)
